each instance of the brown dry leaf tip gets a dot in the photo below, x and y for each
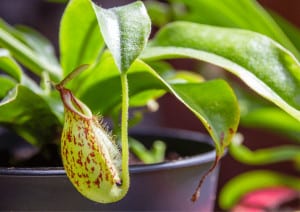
(196, 194)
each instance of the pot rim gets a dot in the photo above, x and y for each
(206, 157)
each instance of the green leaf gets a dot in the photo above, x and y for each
(25, 54)
(104, 77)
(154, 155)
(160, 13)
(34, 122)
(9, 65)
(125, 30)
(245, 14)
(264, 156)
(261, 63)
(250, 181)
(79, 36)
(6, 84)
(38, 43)
(217, 110)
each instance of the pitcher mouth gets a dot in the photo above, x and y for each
(74, 104)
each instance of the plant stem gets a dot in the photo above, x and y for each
(124, 132)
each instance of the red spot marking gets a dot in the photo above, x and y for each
(86, 131)
(79, 175)
(88, 160)
(69, 137)
(97, 182)
(92, 154)
(79, 161)
(74, 139)
(72, 174)
(106, 177)
(85, 167)
(231, 131)
(77, 182)
(93, 169)
(88, 183)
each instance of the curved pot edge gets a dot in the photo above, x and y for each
(166, 132)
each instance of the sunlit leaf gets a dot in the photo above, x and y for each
(125, 30)
(265, 66)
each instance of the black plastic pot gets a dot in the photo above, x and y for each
(165, 186)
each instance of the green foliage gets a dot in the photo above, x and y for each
(251, 181)
(79, 45)
(255, 112)
(154, 155)
(263, 63)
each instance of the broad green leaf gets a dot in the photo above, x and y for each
(125, 30)
(105, 76)
(9, 65)
(26, 55)
(30, 116)
(245, 14)
(79, 36)
(106, 70)
(264, 65)
(217, 110)
(250, 181)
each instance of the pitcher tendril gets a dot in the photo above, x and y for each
(90, 156)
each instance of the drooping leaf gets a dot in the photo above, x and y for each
(264, 65)
(125, 30)
(244, 14)
(25, 54)
(79, 36)
(217, 110)
(29, 115)
(250, 181)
